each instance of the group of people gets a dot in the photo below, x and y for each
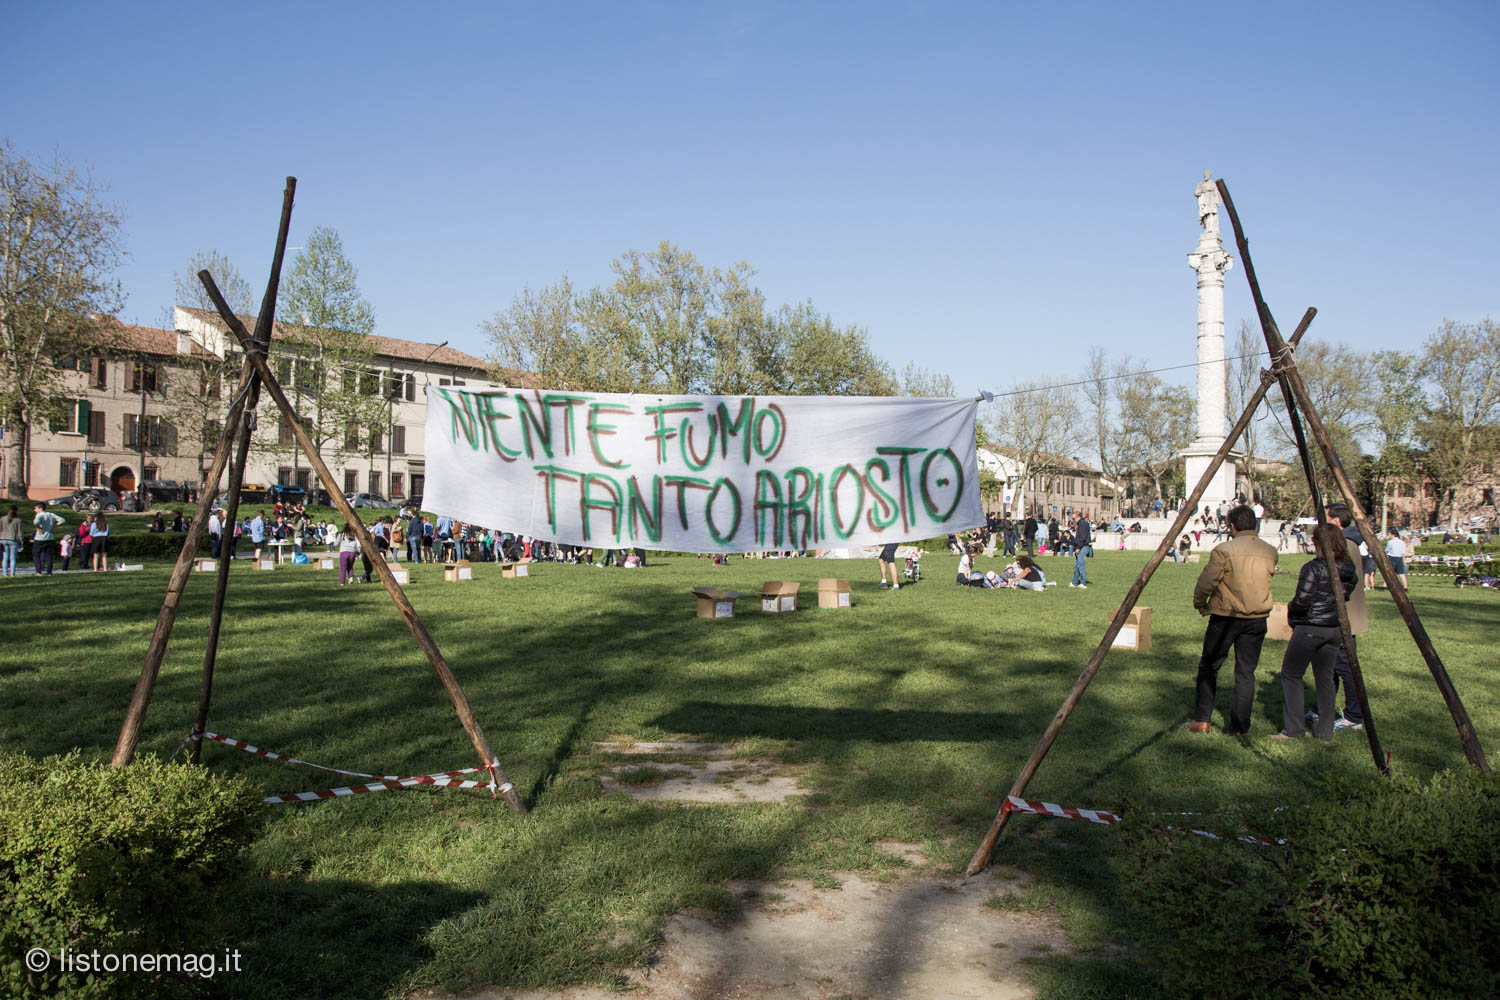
(1073, 537)
(1234, 593)
(89, 543)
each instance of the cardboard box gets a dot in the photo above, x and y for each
(461, 570)
(265, 564)
(515, 570)
(1277, 626)
(712, 604)
(777, 596)
(834, 593)
(403, 577)
(206, 565)
(328, 564)
(1136, 632)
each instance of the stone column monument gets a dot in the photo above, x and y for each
(1210, 262)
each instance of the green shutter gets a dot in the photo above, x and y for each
(83, 416)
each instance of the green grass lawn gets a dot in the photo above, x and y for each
(904, 718)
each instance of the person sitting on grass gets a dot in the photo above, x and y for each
(1024, 574)
(966, 575)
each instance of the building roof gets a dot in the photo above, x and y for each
(142, 339)
(384, 347)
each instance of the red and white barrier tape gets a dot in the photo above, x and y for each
(1014, 804)
(384, 785)
(273, 755)
(381, 782)
(1019, 805)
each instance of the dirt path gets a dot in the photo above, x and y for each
(921, 937)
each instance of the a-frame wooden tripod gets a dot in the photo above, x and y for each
(1284, 371)
(238, 427)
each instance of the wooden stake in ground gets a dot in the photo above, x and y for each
(367, 545)
(264, 324)
(135, 715)
(981, 856)
(1468, 738)
(1285, 367)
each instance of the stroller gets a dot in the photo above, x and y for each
(914, 566)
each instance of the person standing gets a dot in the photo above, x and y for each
(1314, 616)
(1234, 592)
(348, 546)
(45, 522)
(215, 533)
(10, 541)
(1083, 547)
(888, 562)
(1028, 533)
(1395, 551)
(1353, 717)
(99, 549)
(258, 532)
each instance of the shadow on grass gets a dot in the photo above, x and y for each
(724, 721)
(335, 937)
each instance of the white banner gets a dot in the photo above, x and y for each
(703, 473)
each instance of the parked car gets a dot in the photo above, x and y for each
(249, 493)
(286, 494)
(89, 498)
(164, 491)
(372, 500)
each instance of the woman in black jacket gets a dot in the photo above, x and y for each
(1314, 617)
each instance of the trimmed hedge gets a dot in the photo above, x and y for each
(127, 860)
(164, 545)
(1387, 888)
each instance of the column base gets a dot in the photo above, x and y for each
(1221, 487)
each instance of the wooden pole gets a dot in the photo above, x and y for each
(981, 856)
(1282, 363)
(264, 324)
(367, 545)
(130, 731)
(1468, 738)
(146, 684)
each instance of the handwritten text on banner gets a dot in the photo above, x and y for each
(702, 473)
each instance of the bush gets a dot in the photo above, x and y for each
(1386, 889)
(127, 860)
(1454, 549)
(165, 545)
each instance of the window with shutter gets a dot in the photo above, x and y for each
(398, 440)
(96, 427)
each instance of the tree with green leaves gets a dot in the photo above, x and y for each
(1160, 419)
(324, 353)
(1243, 379)
(670, 324)
(1038, 423)
(1397, 407)
(205, 381)
(1461, 365)
(59, 246)
(1338, 383)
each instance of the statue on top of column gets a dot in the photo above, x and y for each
(1208, 204)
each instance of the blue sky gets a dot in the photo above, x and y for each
(988, 189)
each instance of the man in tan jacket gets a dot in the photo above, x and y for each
(1234, 591)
